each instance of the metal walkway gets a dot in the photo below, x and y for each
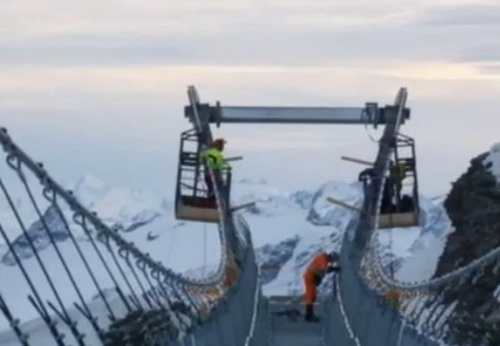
(288, 327)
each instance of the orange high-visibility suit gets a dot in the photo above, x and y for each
(313, 275)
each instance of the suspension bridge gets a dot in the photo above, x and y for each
(88, 285)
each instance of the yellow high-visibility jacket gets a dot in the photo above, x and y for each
(214, 159)
(399, 170)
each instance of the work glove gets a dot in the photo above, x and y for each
(317, 280)
(331, 269)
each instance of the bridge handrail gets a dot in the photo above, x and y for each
(16, 157)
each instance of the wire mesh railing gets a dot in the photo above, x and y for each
(424, 306)
(85, 283)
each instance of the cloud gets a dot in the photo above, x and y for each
(490, 68)
(464, 15)
(281, 33)
(295, 32)
(285, 33)
(91, 51)
(117, 71)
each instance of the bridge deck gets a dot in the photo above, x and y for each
(288, 325)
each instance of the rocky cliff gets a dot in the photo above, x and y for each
(473, 206)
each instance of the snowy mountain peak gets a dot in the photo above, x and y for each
(293, 232)
(89, 189)
(250, 181)
(90, 181)
(493, 161)
(402, 250)
(122, 208)
(116, 205)
(268, 200)
(324, 213)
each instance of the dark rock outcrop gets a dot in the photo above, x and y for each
(52, 223)
(473, 206)
(143, 328)
(303, 198)
(37, 234)
(273, 257)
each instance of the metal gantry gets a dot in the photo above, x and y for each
(191, 199)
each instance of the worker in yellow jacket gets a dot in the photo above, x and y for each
(213, 158)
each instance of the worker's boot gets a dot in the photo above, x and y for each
(310, 317)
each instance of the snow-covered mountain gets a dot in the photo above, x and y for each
(121, 208)
(287, 228)
(411, 253)
(492, 161)
(269, 201)
(145, 218)
(7, 217)
(38, 236)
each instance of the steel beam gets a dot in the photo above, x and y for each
(316, 115)
(371, 114)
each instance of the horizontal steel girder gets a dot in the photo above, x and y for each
(371, 114)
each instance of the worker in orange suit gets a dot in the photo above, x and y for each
(321, 264)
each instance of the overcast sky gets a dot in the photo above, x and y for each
(98, 87)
